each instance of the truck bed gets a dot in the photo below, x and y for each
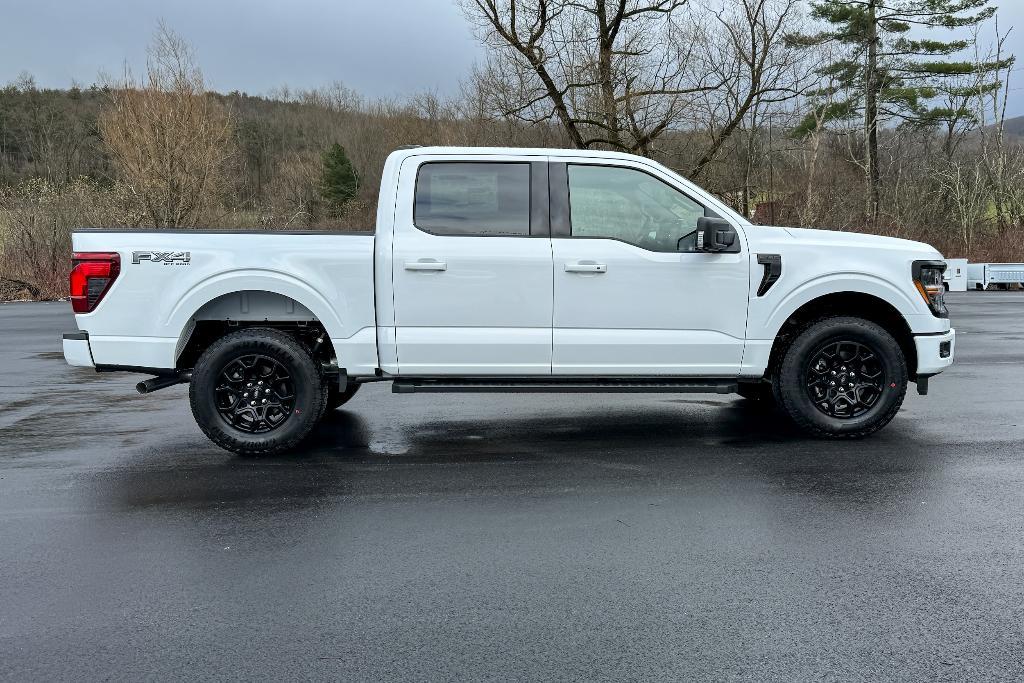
(168, 276)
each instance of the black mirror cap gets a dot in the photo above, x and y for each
(716, 235)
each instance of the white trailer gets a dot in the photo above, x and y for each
(1002, 275)
(955, 277)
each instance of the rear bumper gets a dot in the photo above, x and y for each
(77, 351)
(935, 352)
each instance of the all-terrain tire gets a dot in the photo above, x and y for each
(337, 398)
(306, 380)
(790, 383)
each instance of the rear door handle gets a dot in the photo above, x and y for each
(586, 268)
(426, 265)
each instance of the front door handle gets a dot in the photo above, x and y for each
(426, 264)
(586, 268)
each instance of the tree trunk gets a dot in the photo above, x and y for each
(873, 87)
(561, 110)
(811, 203)
(604, 74)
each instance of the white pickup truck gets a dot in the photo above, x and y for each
(514, 270)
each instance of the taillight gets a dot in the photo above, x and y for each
(92, 274)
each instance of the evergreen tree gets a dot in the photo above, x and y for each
(338, 180)
(883, 74)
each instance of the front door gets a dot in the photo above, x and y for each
(632, 298)
(472, 267)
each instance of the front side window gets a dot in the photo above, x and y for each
(470, 198)
(631, 206)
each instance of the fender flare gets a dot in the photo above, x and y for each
(252, 279)
(835, 283)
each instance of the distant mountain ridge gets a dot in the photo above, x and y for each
(1014, 126)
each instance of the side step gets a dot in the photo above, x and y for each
(566, 385)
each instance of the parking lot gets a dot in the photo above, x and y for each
(512, 537)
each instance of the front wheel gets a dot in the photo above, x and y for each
(842, 377)
(257, 391)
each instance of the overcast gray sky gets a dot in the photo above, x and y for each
(377, 47)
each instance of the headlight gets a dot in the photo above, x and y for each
(928, 280)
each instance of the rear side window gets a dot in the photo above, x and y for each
(469, 198)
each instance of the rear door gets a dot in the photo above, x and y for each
(472, 267)
(632, 297)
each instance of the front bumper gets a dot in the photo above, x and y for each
(77, 351)
(934, 352)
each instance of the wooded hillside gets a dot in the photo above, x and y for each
(766, 116)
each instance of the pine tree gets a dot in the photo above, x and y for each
(338, 180)
(884, 75)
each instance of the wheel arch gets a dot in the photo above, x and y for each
(255, 280)
(247, 299)
(851, 303)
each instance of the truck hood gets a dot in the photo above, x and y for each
(840, 239)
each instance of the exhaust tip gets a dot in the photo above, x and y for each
(152, 384)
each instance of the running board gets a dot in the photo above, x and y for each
(567, 385)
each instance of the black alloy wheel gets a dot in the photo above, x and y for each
(845, 379)
(255, 394)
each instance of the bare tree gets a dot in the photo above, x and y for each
(963, 188)
(36, 220)
(1002, 164)
(614, 73)
(620, 74)
(743, 49)
(170, 140)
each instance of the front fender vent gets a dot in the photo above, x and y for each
(772, 271)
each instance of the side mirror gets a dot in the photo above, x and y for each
(715, 235)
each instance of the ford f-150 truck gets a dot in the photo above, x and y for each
(514, 270)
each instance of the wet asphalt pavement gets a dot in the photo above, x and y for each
(525, 537)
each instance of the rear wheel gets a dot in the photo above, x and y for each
(842, 377)
(257, 391)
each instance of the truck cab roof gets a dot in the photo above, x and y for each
(519, 151)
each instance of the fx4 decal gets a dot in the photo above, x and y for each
(167, 258)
